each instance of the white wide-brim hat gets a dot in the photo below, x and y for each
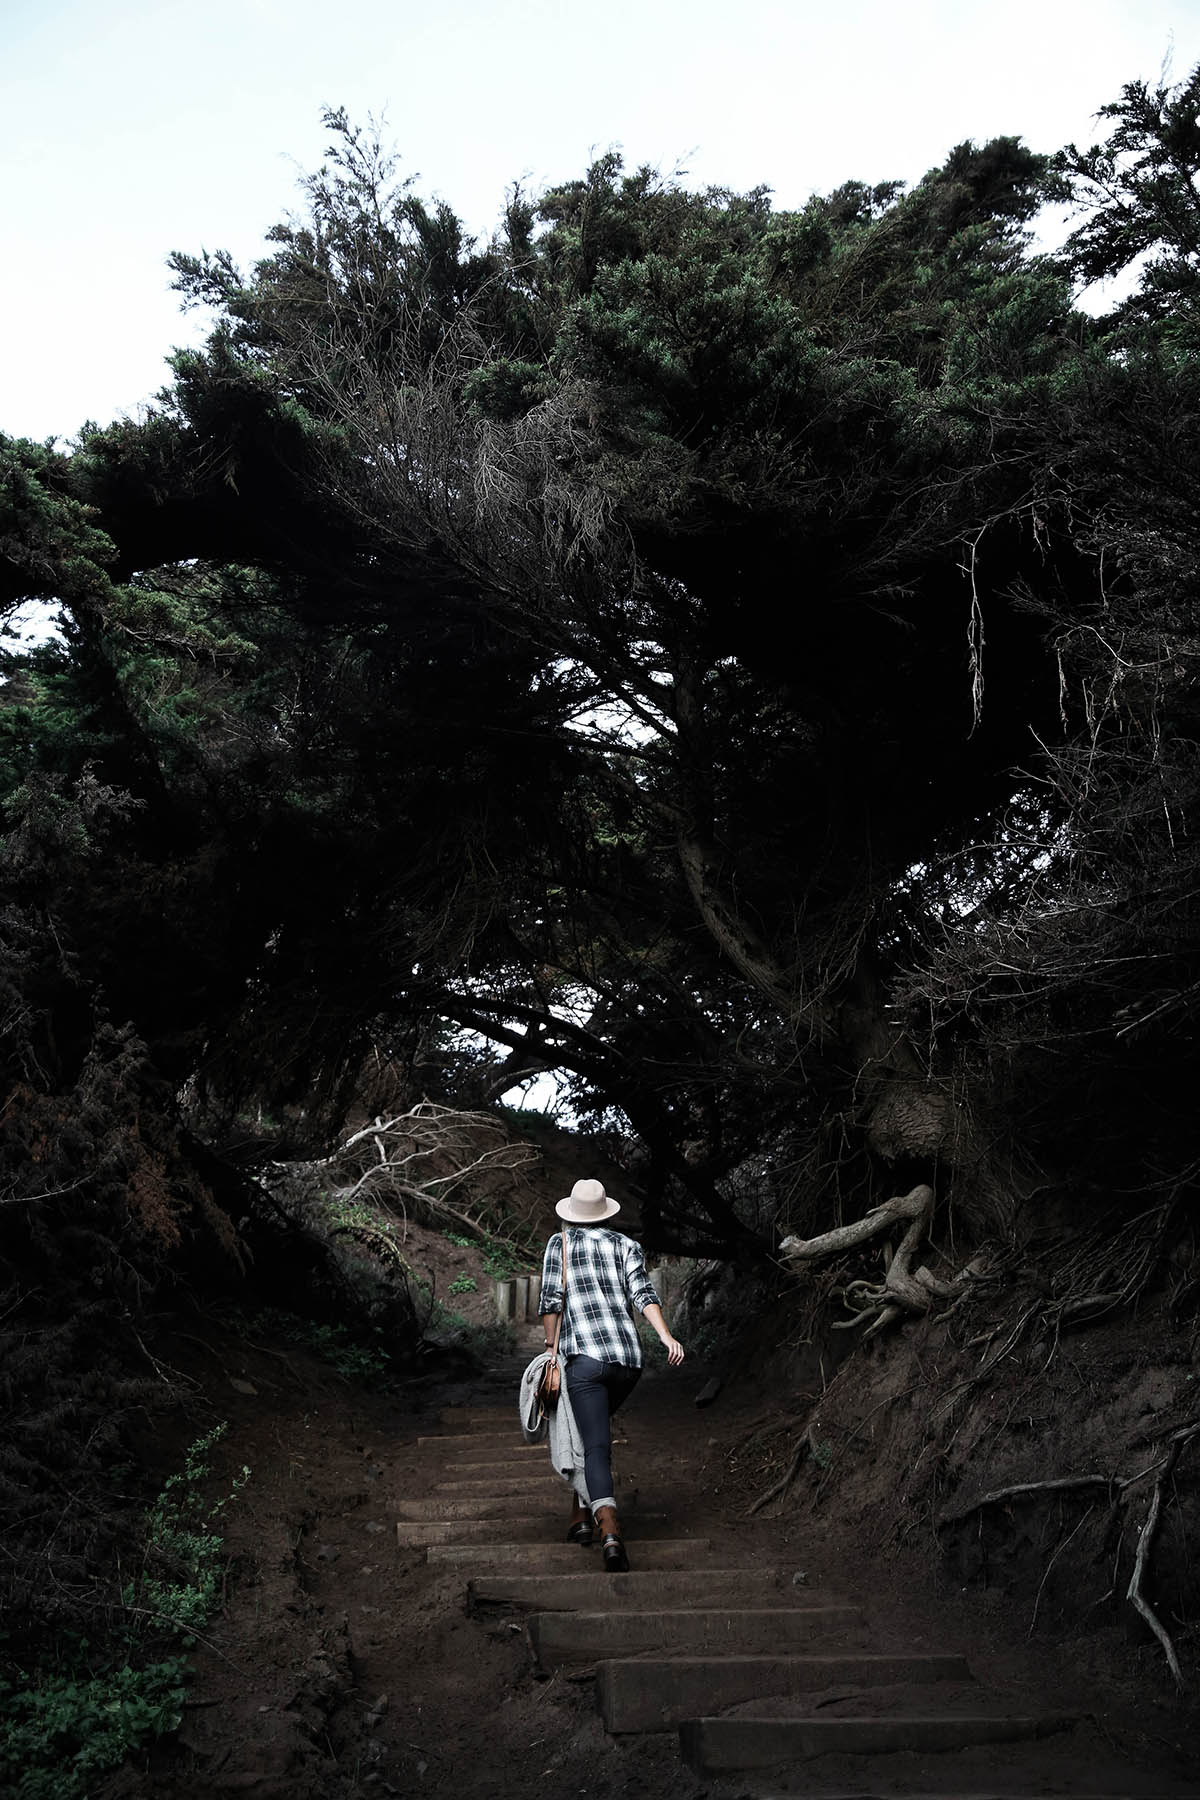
(587, 1204)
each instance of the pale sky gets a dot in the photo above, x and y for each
(133, 128)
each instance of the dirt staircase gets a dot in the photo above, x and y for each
(764, 1680)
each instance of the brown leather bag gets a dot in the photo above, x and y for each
(550, 1385)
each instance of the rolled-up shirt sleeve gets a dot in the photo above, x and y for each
(638, 1285)
(551, 1299)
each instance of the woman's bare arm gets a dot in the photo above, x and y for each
(653, 1314)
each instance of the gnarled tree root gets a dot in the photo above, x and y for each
(903, 1288)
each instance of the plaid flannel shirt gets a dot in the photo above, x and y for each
(606, 1274)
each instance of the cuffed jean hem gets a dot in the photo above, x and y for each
(608, 1500)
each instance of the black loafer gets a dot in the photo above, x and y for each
(580, 1533)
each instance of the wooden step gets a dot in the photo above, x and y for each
(535, 1483)
(507, 1459)
(479, 1440)
(505, 1467)
(593, 1637)
(547, 1528)
(666, 1553)
(547, 1501)
(712, 1746)
(641, 1589)
(467, 1417)
(541, 1482)
(660, 1693)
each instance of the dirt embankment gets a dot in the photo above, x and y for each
(1041, 1473)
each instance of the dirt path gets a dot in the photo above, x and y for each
(344, 1666)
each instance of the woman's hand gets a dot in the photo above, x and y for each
(653, 1315)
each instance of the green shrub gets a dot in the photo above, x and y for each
(334, 1344)
(500, 1260)
(464, 1284)
(63, 1728)
(489, 1343)
(355, 1360)
(486, 1343)
(181, 1582)
(58, 1735)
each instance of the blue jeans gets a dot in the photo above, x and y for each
(596, 1390)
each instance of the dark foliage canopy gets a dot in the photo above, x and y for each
(738, 658)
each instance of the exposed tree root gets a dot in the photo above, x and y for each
(1134, 1594)
(917, 1204)
(805, 1447)
(1103, 1271)
(903, 1290)
(1175, 1444)
(764, 1426)
(1067, 1541)
(1061, 1485)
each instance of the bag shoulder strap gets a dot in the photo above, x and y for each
(558, 1327)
